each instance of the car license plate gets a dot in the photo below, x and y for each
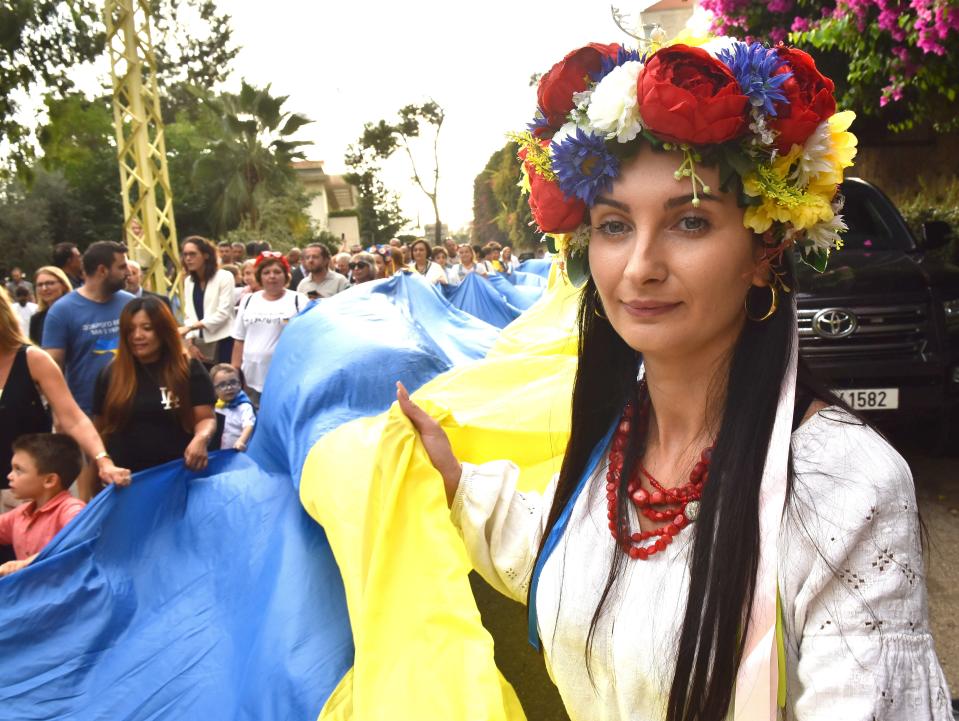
(869, 399)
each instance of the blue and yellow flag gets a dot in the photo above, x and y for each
(217, 596)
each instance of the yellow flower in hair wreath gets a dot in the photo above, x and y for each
(781, 199)
(837, 150)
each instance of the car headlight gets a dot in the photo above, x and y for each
(951, 309)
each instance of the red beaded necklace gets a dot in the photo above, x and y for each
(679, 505)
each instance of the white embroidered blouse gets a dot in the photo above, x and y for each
(856, 619)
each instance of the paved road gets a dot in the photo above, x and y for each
(937, 489)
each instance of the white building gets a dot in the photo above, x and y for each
(330, 196)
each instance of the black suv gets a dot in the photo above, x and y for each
(881, 325)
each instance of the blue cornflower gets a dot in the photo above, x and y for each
(622, 56)
(583, 166)
(754, 66)
(539, 126)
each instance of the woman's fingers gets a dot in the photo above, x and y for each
(421, 419)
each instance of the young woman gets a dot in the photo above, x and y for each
(712, 499)
(422, 264)
(51, 284)
(439, 257)
(248, 276)
(380, 256)
(209, 302)
(26, 373)
(466, 265)
(395, 263)
(153, 404)
(491, 257)
(261, 318)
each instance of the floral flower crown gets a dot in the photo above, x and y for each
(764, 115)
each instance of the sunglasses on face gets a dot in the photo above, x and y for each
(227, 385)
(360, 264)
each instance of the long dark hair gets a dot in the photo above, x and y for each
(725, 552)
(173, 363)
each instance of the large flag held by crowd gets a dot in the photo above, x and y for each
(318, 575)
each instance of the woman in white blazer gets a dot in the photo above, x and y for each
(208, 302)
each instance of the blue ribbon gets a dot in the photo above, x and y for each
(552, 541)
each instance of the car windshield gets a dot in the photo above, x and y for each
(870, 227)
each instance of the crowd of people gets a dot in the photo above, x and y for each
(101, 378)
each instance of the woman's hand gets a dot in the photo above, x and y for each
(194, 352)
(239, 446)
(195, 454)
(435, 441)
(110, 473)
(13, 566)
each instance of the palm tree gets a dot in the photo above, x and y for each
(253, 160)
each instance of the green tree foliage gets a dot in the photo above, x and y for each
(251, 162)
(78, 143)
(378, 209)
(72, 193)
(500, 209)
(380, 140)
(282, 220)
(27, 221)
(42, 42)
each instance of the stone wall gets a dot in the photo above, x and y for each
(898, 163)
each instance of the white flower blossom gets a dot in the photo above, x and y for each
(714, 46)
(566, 131)
(578, 241)
(762, 133)
(824, 235)
(612, 108)
(577, 115)
(815, 155)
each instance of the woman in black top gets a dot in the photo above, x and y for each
(152, 403)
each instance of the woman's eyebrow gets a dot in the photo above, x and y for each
(680, 200)
(603, 200)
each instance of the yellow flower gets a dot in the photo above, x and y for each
(830, 149)
(782, 200)
(524, 179)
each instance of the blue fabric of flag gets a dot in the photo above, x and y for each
(214, 595)
(477, 297)
(519, 296)
(539, 266)
(181, 597)
(518, 277)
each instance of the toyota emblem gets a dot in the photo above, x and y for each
(834, 323)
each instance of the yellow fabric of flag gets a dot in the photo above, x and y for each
(421, 649)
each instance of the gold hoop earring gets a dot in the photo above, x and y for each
(773, 305)
(598, 304)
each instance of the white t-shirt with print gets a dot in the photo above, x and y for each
(259, 323)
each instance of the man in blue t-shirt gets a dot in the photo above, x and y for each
(81, 330)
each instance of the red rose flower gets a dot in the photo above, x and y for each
(570, 75)
(687, 96)
(551, 209)
(810, 100)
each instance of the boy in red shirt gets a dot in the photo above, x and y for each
(43, 464)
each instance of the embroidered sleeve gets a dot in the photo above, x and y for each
(501, 527)
(865, 652)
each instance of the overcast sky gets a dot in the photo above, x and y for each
(349, 62)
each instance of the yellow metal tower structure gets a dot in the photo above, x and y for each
(145, 183)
